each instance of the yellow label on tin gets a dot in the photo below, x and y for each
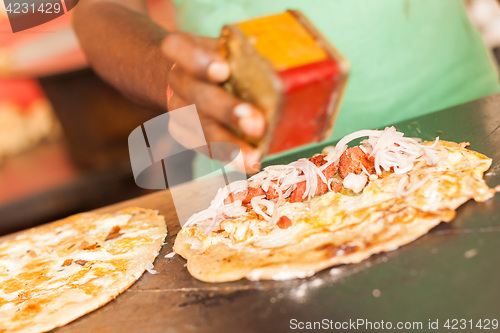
(283, 40)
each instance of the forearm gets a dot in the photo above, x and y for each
(124, 47)
(130, 51)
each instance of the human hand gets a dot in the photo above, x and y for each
(195, 79)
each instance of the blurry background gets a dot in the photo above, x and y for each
(63, 131)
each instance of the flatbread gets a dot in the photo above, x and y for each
(393, 209)
(52, 274)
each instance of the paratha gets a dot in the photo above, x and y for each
(55, 273)
(338, 207)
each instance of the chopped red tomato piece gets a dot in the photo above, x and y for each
(253, 192)
(318, 160)
(284, 222)
(298, 193)
(352, 161)
(329, 172)
(244, 196)
(271, 192)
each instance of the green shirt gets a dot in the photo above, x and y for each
(408, 57)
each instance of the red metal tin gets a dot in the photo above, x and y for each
(285, 66)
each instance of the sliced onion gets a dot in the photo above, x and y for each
(341, 146)
(216, 204)
(390, 149)
(311, 173)
(365, 171)
(237, 186)
(214, 222)
(393, 151)
(201, 216)
(283, 178)
(330, 182)
(233, 209)
(259, 200)
(356, 135)
(355, 182)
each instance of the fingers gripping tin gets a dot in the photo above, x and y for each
(283, 64)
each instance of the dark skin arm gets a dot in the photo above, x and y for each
(135, 55)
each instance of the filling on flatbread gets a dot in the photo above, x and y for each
(338, 207)
(55, 273)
